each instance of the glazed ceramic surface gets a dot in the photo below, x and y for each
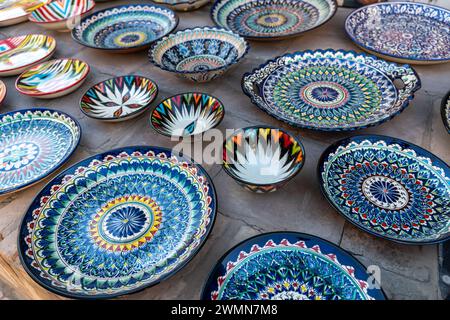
(19, 53)
(33, 144)
(187, 114)
(2, 91)
(331, 90)
(389, 188)
(272, 19)
(199, 54)
(289, 266)
(16, 11)
(183, 5)
(262, 159)
(53, 78)
(119, 98)
(117, 222)
(405, 32)
(445, 111)
(125, 28)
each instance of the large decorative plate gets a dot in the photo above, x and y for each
(21, 52)
(403, 32)
(125, 28)
(33, 144)
(272, 19)
(445, 111)
(16, 11)
(289, 266)
(389, 188)
(331, 90)
(117, 222)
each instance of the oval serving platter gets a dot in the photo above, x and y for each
(117, 222)
(288, 266)
(405, 32)
(33, 144)
(388, 187)
(331, 90)
(445, 111)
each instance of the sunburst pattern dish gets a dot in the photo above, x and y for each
(3, 91)
(117, 222)
(183, 5)
(33, 144)
(445, 111)
(16, 11)
(389, 188)
(19, 53)
(331, 90)
(187, 114)
(289, 266)
(53, 78)
(262, 159)
(119, 98)
(272, 19)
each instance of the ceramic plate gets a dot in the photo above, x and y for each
(2, 91)
(125, 28)
(403, 32)
(119, 98)
(16, 11)
(272, 19)
(445, 111)
(117, 222)
(53, 78)
(389, 188)
(289, 266)
(19, 53)
(183, 5)
(331, 90)
(187, 114)
(33, 144)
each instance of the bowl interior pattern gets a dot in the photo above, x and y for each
(262, 156)
(389, 188)
(271, 18)
(412, 31)
(119, 97)
(61, 10)
(125, 27)
(187, 114)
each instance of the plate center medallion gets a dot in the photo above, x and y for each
(325, 94)
(385, 192)
(18, 155)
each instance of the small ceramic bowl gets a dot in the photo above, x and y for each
(199, 54)
(183, 5)
(2, 91)
(16, 11)
(53, 78)
(61, 15)
(187, 114)
(261, 158)
(118, 99)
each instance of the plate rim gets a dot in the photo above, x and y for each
(445, 120)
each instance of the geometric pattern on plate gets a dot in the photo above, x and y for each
(183, 5)
(60, 10)
(16, 11)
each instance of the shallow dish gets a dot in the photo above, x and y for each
(33, 144)
(125, 28)
(403, 32)
(16, 11)
(289, 266)
(19, 53)
(262, 159)
(61, 15)
(272, 19)
(183, 5)
(331, 90)
(3, 91)
(134, 216)
(389, 188)
(445, 111)
(199, 54)
(118, 99)
(187, 114)
(53, 78)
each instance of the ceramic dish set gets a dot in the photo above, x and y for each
(129, 218)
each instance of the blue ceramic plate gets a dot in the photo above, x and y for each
(445, 111)
(403, 32)
(331, 90)
(33, 144)
(117, 222)
(289, 266)
(388, 187)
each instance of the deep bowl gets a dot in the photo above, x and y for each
(183, 5)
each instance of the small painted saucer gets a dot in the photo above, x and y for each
(183, 5)
(187, 114)
(33, 144)
(53, 78)
(118, 99)
(405, 32)
(3, 91)
(388, 187)
(289, 266)
(19, 53)
(445, 111)
(272, 19)
(17, 11)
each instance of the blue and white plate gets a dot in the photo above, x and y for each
(289, 266)
(33, 144)
(388, 187)
(117, 222)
